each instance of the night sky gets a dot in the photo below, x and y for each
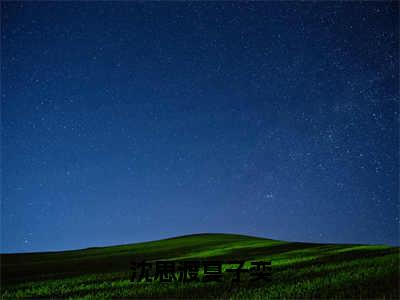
(125, 122)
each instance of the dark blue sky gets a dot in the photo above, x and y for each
(124, 122)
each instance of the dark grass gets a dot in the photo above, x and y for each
(300, 270)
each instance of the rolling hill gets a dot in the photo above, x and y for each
(299, 270)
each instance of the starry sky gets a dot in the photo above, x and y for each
(129, 121)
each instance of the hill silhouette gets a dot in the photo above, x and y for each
(299, 269)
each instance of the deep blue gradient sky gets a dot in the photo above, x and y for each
(125, 122)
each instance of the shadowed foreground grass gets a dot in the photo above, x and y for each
(299, 270)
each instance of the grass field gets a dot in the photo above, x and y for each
(299, 270)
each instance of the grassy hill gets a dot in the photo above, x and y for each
(299, 270)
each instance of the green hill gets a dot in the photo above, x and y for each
(299, 270)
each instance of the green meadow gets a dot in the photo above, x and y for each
(299, 270)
